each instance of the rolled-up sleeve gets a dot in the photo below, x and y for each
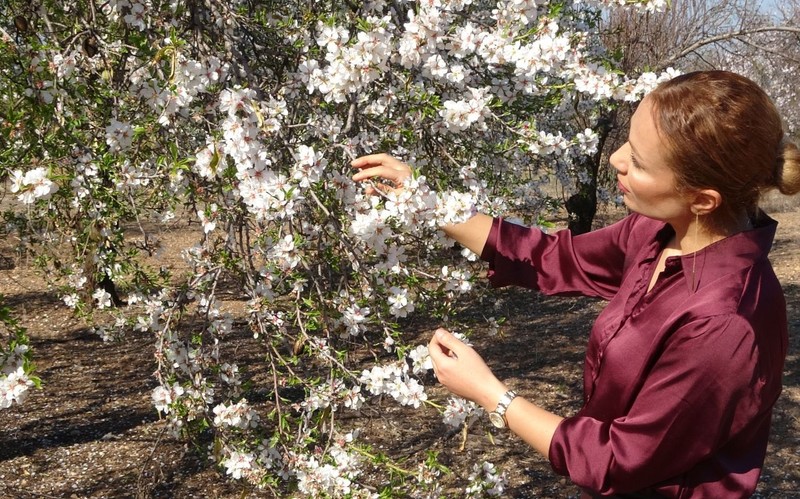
(590, 264)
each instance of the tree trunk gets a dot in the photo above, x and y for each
(582, 205)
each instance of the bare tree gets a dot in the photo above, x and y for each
(737, 35)
(769, 55)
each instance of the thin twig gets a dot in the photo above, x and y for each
(139, 492)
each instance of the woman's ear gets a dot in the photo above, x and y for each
(705, 201)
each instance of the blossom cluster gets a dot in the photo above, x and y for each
(486, 480)
(32, 185)
(332, 474)
(331, 477)
(348, 64)
(133, 12)
(238, 415)
(164, 396)
(190, 79)
(393, 379)
(647, 6)
(459, 411)
(14, 381)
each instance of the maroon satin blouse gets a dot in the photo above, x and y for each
(679, 382)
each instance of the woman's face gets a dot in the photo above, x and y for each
(647, 183)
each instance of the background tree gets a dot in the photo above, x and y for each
(737, 35)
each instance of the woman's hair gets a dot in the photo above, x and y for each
(723, 132)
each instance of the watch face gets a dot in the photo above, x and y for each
(497, 420)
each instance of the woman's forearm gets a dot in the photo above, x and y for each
(532, 424)
(473, 233)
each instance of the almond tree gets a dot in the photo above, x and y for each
(243, 117)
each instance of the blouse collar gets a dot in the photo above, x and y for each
(727, 256)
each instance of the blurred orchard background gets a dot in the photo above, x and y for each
(197, 300)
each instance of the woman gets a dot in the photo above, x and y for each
(684, 364)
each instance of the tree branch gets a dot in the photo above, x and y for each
(726, 36)
(782, 54)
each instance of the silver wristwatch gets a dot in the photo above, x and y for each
(498, 416)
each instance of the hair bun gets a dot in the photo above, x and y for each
(787, 168)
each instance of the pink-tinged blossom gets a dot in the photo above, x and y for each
(239, 415)
(309, 166)
(285, 253)
(461, 115)
(234, 100)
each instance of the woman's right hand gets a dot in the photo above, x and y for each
(473, 233)
(382, 166)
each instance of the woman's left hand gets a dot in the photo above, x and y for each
(462, 371)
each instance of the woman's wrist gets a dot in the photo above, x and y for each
(493, 396)
(473, 233)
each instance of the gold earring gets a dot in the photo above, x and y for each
(694, 255)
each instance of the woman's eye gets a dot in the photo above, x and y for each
(634, 162)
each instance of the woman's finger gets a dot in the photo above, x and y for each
(378, 188)
(449, 344)
(441, 353)
(380, 159)
(380, 165)
(380, 171)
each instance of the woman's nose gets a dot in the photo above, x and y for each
(617, 160)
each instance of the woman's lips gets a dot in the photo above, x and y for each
(622, 187)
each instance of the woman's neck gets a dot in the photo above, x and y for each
(695, 235)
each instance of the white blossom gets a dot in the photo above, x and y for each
(119, 136)
(14, 385)
(459, 410)
(32, 185)
(238, 463)
(238, 415)
(164, 396)
(102, 298)
(420, 359)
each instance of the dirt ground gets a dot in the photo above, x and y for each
(92, 431)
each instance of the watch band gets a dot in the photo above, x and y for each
(498, 416)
